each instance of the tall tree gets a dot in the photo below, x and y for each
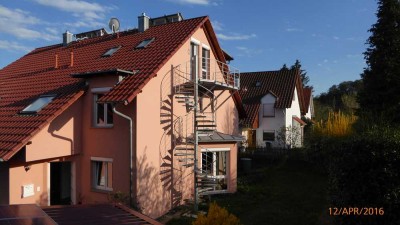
(380, 97)
(303, 74)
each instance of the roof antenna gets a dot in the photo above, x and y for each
(114, 25)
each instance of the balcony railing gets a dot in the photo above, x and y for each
(211, 71)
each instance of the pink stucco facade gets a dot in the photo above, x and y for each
(74, 138)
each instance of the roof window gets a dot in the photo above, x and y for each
(38, 104)
(258, 84)
(145, 43)
(111, 51)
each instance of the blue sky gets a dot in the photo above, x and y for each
(328, 37)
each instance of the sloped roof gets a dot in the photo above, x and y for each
(307, 98)
(280, 83)
(100, 214)
(35, 74)
(219, 137)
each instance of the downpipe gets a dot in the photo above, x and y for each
(130, 152)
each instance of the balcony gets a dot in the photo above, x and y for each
(212, 74)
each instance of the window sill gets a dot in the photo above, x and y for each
(104, 191)
(103, 126)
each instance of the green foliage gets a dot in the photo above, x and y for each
(337, 125)
(341, 97)
(217, 216)
(365, 172)
(381, 95)
(303, 74)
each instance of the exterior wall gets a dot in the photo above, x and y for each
(103, 142)
(283, 118)
(5, 186)
(269, 123)
(36, 175)
(162, 181)
(62, 137)
(310, 112)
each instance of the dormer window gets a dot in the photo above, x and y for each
(258, 84)
(111, 51)
(38, 104)
(145, 43)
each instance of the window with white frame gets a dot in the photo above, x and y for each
(269, 136)
(102, 173)
(205, 63)
(103, 112)
(268, 110)
(214, 164)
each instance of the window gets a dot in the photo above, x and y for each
(258, 84)
(38, 104)
(214, 164)
(205, 63)
(102, 173)
(268, 110)
(145, 43)
(269, 136)
(103, 112)
(194, 53)
(111, 51)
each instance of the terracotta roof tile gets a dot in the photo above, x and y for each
(280, 83)
(35, 74)
(307, 97)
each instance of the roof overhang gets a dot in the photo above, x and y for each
(103, 72)
(218, 137)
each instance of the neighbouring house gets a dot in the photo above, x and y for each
(121, 112)
(274, 104)
(308, 103)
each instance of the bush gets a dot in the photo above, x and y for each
(337, 125)
(216, 216)
(365, 172)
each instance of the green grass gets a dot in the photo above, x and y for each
(286, 192)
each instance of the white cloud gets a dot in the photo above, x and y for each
(194, 2)
(336, 37)
(13, 46)
(80, 9)
(85, 24)
(235, 37)
(18, 23)
(248, 52)
(293, 29)
(218, 26)
(353, 56)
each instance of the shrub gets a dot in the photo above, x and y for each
(365, 172)
(337, 125)
(216, 216)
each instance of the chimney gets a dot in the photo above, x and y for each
(143, 22)
(56, 66)
(72, 58)
(67, 38)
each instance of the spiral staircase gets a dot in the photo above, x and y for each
(199, 120)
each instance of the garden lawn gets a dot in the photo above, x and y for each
(289, 192)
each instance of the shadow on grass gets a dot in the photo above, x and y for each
(283, 192)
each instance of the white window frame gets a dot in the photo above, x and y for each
(263, 111)
(94, 185)
(206, 69)
(194, 63)
(96, 92)
(214, 151)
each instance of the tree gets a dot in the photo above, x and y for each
(303, 74)
(380, 97)
(284, 67)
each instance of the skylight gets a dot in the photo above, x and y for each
(145, 43)
(38, 104)
(111, 51)
(258, 84)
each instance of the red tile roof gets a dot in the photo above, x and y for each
(35, 74)
(300, 121)
(97, 214)
(280, 83)
(307, 97)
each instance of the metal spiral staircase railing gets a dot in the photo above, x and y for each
(187, 88)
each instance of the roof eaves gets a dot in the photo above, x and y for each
(154, 73)
(99, 72)
(16, 149)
